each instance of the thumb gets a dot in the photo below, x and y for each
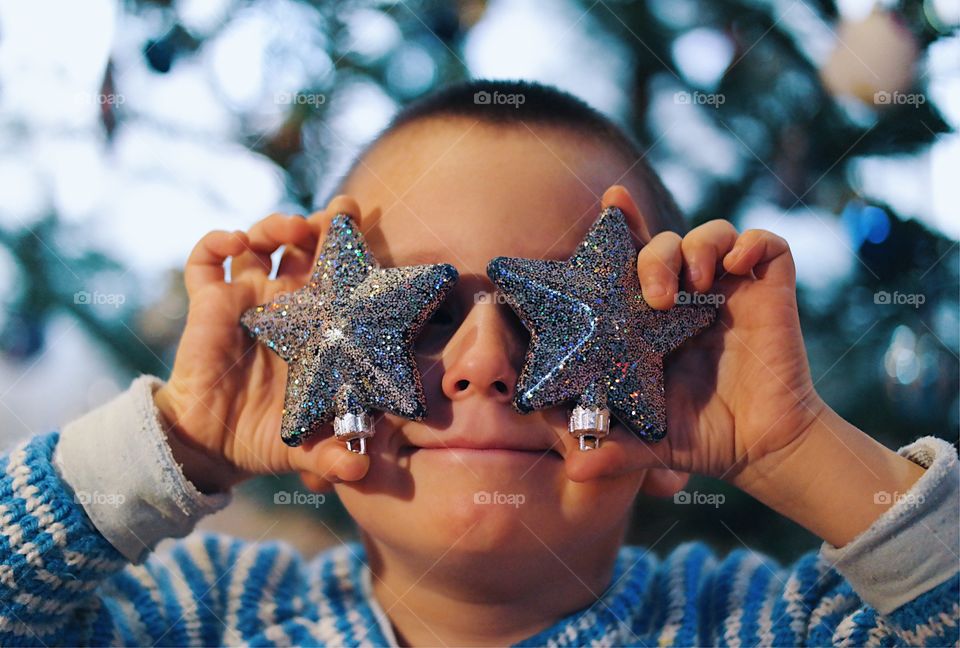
(328, 459)
(664, 483)
(619, 453)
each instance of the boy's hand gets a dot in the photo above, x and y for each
(741, 404)
(224, 398)
(739, 391)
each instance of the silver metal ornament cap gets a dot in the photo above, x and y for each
(354, 429)
(590, 425)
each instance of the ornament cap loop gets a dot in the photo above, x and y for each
(590, 425)
(354, 429)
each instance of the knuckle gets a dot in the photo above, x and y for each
(667, 238)
(271, 220)
(691, 243)
(721, 223)
(753, 234)
(211, 238)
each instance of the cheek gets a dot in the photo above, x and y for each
(600, 505)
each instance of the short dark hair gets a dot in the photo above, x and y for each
(541, 104)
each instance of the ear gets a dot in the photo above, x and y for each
(618, 196)
(660, 482)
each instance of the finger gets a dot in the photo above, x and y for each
(664, 483)
(328, 459)
(269, 234)
(619, 453)
(702, 247)
(764, 253)
(300, 248)
(658, 266)
(618, 196)
(205, 263)
(315, 483)
(295, 263)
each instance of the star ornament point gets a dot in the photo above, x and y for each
(347, 337)
(593, 338)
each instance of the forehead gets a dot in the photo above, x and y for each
(462, 192)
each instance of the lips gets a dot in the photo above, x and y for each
(481, 428)
(528, 441)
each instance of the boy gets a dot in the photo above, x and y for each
(460, 181)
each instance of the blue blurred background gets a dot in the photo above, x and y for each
(131, 128)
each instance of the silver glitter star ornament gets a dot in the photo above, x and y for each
(347, 337)
(593, 338)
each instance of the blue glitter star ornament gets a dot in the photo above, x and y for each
(593, 338)
(347, 337)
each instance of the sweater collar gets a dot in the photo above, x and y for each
(613, 617)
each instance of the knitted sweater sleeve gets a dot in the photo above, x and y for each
(63, 583)
(51, 556)
(76, 508)
(895, 584)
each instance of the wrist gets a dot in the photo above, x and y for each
(209, 472)
(829, 477)
(766, 472)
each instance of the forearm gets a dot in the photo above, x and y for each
(834, 480)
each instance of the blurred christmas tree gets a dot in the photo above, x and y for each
(799, 95)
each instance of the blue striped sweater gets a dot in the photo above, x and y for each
(62, 583)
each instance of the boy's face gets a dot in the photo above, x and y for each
(476, 476)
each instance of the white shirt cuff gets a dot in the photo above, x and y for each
(118, 463)
(914, 546)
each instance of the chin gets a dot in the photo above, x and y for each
(462, 515)
(470, 507)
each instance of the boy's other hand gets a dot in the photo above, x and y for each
(224, 399)
(740, 392)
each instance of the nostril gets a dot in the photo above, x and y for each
(462, 384)
(500, 387)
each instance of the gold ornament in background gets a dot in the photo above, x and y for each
(872, 57)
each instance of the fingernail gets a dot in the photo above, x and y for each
(694, 273)
(655, 290)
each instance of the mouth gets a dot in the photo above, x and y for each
(500, 438)
(481, 452)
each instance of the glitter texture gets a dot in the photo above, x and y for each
(347, 335)
(593, 338)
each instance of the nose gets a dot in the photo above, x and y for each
(481, 358)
